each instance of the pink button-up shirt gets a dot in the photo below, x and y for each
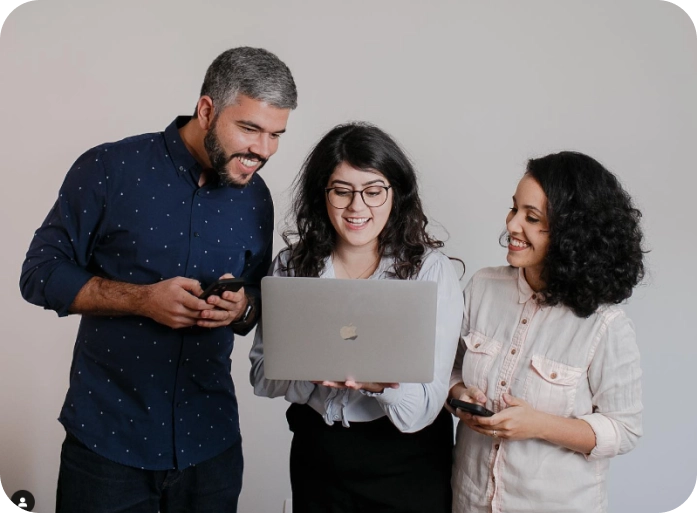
(559, 363)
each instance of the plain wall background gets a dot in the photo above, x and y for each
(471, 89)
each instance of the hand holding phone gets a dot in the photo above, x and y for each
(474, 409)
(221, 285)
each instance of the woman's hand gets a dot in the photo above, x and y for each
(376, 388)
(467, 394)
(519, 421)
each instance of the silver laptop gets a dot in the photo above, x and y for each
(368, 330)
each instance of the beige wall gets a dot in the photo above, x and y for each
(471, 89)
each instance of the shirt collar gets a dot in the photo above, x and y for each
(525, 292)
(384, 268)
(381, 272)
(182, 159)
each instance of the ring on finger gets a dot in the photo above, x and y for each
(494, 433)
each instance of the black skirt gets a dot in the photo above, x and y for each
(369, 466)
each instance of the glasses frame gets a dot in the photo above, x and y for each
(353, 195)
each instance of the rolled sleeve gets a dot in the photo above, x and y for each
(63, 286)
(389, 396)
(615, 379)
(607, 437)
(57, 262)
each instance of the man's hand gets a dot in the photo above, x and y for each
(224, 310)
(174, 302)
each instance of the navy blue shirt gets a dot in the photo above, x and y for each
(143, 394)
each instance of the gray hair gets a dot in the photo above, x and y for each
(252, 72)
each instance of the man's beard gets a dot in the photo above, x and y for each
(219, 160)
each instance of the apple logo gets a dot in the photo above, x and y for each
(348, 332)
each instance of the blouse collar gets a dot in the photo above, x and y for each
(525, 291)
(381, 272)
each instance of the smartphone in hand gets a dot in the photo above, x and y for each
(474, 409)
(221, 285)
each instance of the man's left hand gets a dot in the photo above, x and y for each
(228, 308)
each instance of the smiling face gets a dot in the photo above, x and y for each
(528, 228)
(358, 225)
(240, 139)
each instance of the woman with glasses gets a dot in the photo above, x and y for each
(547, 349)
(366, 446)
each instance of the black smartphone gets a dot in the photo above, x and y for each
(221, 285)
(474, 409)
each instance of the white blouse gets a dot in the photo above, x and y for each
(559, 363)
(410, 407)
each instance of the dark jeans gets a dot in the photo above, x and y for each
(90, 483)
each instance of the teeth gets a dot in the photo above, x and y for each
(247, 162)
(357, 220)
(518, 243)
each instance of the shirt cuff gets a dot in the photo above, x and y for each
(607, 439)
(389, 396)
(299, 392)
(63, 285)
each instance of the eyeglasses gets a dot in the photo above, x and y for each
(373, 196)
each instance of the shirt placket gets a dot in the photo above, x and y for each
(510, 363)
(189, 365)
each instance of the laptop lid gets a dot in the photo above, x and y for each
(320, 329)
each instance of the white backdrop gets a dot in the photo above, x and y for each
(471, 90)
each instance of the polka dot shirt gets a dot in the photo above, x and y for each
(142, 394)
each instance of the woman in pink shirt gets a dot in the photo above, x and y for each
(546, 348)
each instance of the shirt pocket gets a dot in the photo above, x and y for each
(479, 357)
(551, 386)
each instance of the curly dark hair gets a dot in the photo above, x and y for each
(595, 253)
(368, 148)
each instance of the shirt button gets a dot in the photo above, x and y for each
(496, 447)
(503, 383)
(513, 351)
(553, 375)
(493, 478)
(196, 234)
(476, 345)
(181, 168)
(524, 321)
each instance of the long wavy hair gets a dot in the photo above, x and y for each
(366, 147)
(595, 253)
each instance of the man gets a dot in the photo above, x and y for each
(139, 226)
